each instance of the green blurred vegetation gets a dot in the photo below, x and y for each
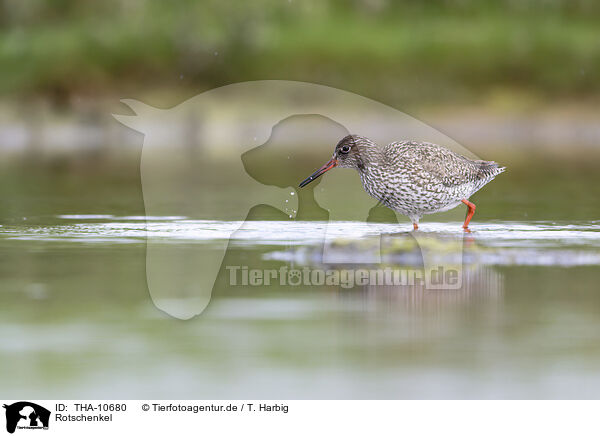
(434, 51)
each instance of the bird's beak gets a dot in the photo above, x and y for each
(329, 165)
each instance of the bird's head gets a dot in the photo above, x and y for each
(352, 151)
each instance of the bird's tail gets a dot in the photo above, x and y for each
(488, 168)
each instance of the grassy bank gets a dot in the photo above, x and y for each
(442, 51)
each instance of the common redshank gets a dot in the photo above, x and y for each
(413, 178)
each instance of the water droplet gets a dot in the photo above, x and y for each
(286, 201)
(292, 193)
(290, 216)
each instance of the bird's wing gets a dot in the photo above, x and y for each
(432, 163)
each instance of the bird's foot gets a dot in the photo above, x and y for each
(470, 213)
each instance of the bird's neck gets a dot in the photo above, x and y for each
(370, 158)
(372, 174)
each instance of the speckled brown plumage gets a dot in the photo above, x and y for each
(413, 178)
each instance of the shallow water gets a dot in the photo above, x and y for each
(510, 243)
(77, 320)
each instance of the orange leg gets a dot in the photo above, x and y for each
(470, 212)
(415, 226)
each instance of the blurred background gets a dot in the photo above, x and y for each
(521, 76)
(513, 81)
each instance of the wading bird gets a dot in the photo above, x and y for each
(412, 178)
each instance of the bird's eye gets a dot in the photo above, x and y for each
(345, 149)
